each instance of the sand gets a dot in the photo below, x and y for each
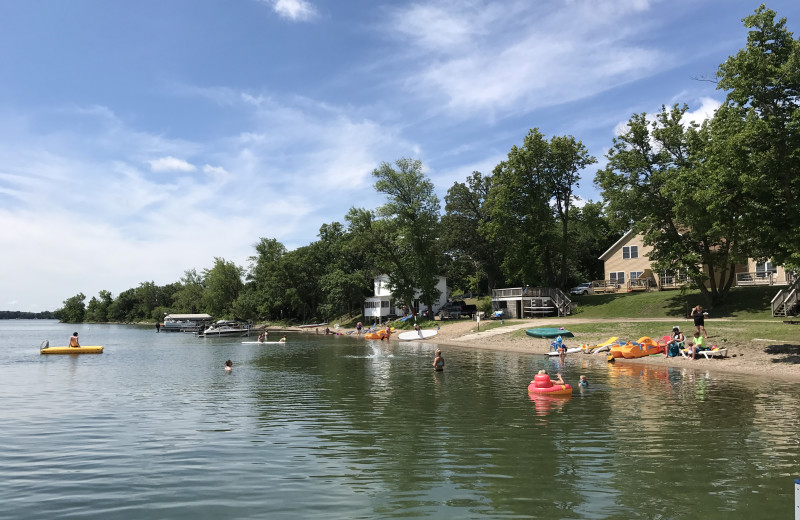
(759, 358)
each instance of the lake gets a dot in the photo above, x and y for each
(340, 427)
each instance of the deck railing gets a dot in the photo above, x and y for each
(641, 284)
(755, 278)
(604, 286)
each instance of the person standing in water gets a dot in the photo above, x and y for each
(438, 361)
(73, 340)
(228, 365)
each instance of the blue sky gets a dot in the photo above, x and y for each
(141, 139)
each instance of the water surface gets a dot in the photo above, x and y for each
(339, 427)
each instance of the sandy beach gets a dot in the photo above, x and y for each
(758, 358)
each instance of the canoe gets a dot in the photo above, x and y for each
(72, 350)
(545, 332)
(413, 334)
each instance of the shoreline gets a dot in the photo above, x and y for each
(744, 359)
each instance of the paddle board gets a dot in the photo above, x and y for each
(569, 351)
(261, 342)
(413, 334)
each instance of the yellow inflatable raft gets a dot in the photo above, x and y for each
(72, 350)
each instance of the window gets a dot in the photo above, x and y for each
(764, 267)
(617, 278)
(635, 274)
(630, 252)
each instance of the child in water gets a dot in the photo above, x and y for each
(583, 382)
(228, 365)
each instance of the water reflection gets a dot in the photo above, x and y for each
(343, 427)
(546, 403)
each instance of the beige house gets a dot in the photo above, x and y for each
(627, 268)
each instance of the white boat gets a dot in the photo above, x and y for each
(227, 328)
(414, 334)
(185, 322)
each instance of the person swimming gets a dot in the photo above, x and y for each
(228, 365)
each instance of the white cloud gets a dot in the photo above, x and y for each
(708, 107)
(706, 110)
(171, 164)
(478, 58)
(294, 10)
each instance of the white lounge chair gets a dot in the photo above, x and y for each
(708, 354)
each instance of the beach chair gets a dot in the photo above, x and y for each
(708, 354)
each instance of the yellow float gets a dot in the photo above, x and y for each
(93, 349)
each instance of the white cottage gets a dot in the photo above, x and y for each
(381, 305)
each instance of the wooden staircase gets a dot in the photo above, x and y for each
(564, 305)
(787, 301)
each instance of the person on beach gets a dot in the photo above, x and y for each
(699, 320)
(697, 345)
(73, 340)
(228, 365)
(358, 328)
(583, 382)
(416, 328)
(438, 361)
(675, 344)
(388, 334)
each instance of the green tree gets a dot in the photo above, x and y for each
(121, 309)
(73, 309)
(223, 283)
(403, 232)
(97, 310)
(266, 271)
(590, 235)
(524, 220)
(188, 296)
(678, 186)
(464, 236)
(763, 83)
(566, 158)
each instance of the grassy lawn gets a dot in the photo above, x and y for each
(742, 302)
(731, 331)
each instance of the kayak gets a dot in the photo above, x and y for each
(413, 334)
(545, 332)
(261, 342)
(72, 350)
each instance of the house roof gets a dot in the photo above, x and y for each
(623, 238)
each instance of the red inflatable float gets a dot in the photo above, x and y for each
(542, 384)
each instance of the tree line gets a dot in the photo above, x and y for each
(705, 196)
(22, 315)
